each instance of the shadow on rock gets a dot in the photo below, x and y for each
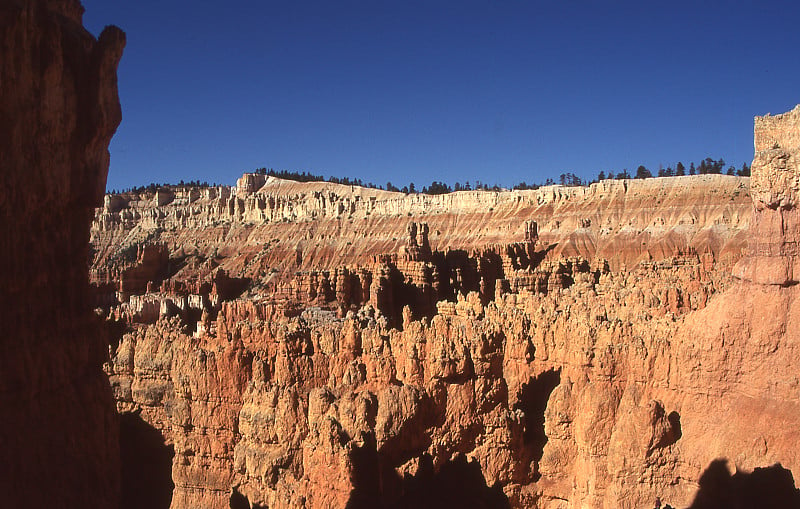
(533, 402)
(239, 501)
(764, 487)
(457, 483)
(146, 465)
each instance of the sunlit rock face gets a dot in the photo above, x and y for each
(773, 252)
(58, 110)
(319, 345)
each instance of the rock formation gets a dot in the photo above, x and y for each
(59, 443)
(318, 345)
(290, 226)
(282, 345)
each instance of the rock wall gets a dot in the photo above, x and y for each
(749, 333)
(323, 402)
(58, 111)
(777, 131)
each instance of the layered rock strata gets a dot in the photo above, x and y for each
(315, 345)
(58, 110)
(288, 226)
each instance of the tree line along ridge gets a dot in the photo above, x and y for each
(705, 167)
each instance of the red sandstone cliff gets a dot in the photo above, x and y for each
(58, 111)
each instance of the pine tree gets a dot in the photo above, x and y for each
(744, 171)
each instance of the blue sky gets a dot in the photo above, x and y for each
(497, 91)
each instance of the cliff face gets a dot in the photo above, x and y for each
(289, 226)
(744, 346)
(316, 345)
(58, 111)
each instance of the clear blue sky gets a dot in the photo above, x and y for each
(498, 91)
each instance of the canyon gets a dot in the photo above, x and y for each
(322, 345)
(283, 344)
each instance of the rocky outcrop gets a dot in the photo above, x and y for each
(773, 244)
(315, 345)
(58, 111)
(748, 333)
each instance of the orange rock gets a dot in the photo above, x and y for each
(600, 356)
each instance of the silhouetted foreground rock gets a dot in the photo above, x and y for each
(146, 463)
(58, 111)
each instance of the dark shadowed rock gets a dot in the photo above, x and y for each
(58, 111)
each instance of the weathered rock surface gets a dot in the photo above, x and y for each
(317, 345)
(58, 110)
(773, 245)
